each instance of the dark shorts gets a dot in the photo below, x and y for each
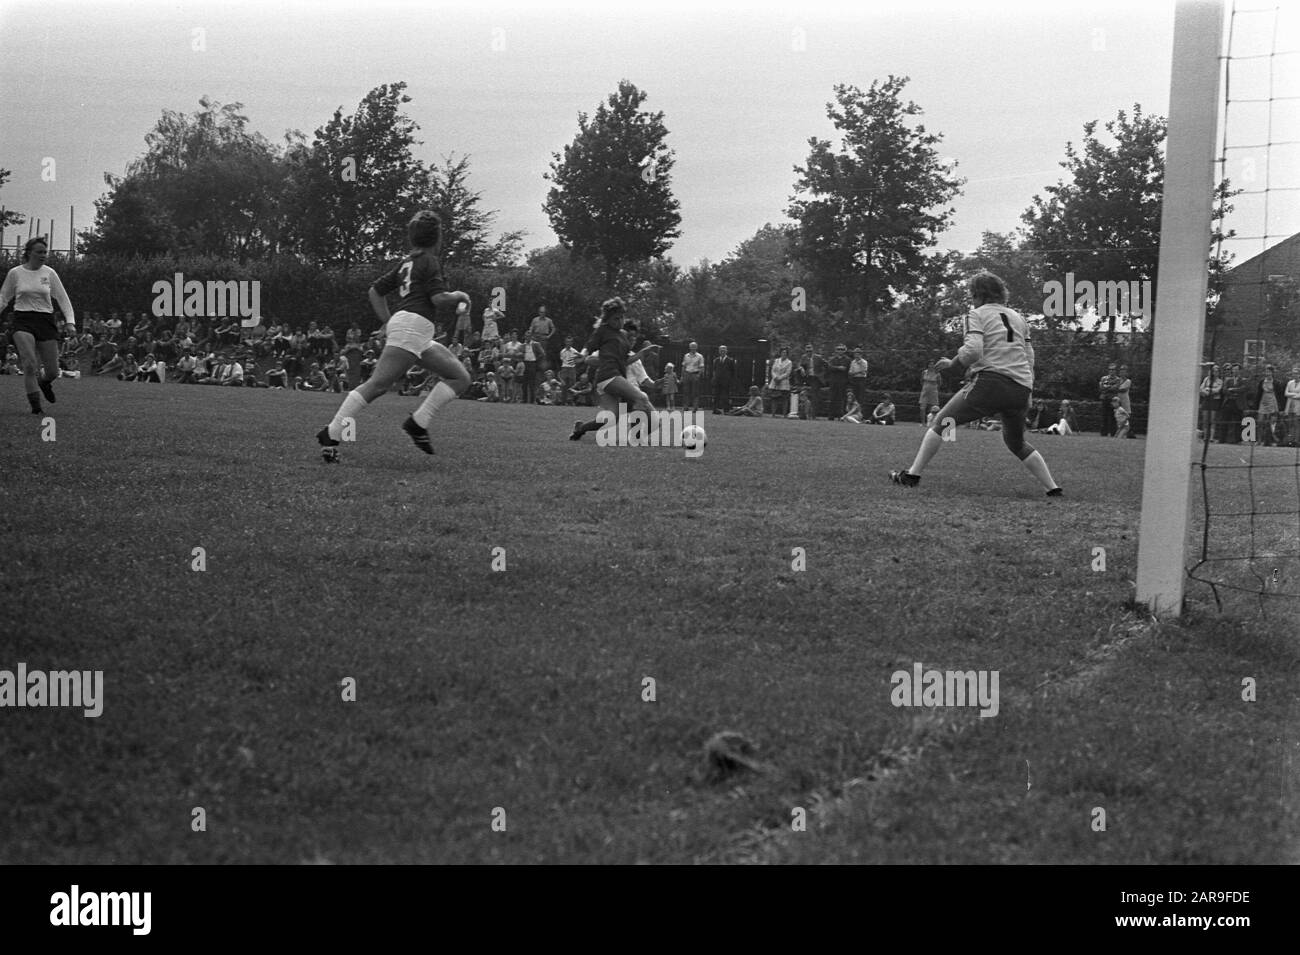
(989, 395)
(37, 324)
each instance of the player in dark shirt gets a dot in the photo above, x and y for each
(410, 331)
(609, 351)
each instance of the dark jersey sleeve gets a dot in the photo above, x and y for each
(387, 283)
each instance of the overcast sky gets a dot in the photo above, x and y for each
(1007, 84)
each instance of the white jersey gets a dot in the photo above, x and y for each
(997, 339)
(35, 290)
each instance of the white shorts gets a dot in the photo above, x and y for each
(600, 385)
(410, 332)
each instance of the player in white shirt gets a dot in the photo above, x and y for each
(33, 288)
(998, 354)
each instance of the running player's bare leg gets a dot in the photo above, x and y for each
(453, 380)
(391, 368)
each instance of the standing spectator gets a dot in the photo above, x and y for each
(530, 375)
(1270, 399)
(542, 330)
(464, 324)
(1122, 416)
(837, 376)
(1211, 396)
(1033, 420)
(506, 372)
(692, 374)
(858, 376)
(930, 391)
(813, 369)
(724, 374)
(779, 382)
(1108, 388)
(368, 362)
(568, 368)
(1232, 406)
(491, 333)
(1292, 410)
(668, 386)
(884, 412)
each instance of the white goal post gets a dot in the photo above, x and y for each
(1194, 102)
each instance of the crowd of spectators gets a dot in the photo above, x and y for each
(540, 366)
(1227, 400)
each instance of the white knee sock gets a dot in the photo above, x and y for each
(439, 396)
(930, 445)
(1038, 468)
(351, 405)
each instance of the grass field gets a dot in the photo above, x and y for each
(522, 689)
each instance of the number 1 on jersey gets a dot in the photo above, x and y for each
(1011, 336)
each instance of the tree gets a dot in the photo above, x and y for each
(1103, 224)
(612, 194)
(467, 240)
(358, 183)
(8, 217)
(129, 221)
(206, 184)
(867, 213)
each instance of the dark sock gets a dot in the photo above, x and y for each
(34, 399)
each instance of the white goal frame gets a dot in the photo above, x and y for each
(1185, 222)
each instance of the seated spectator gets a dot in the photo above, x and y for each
(315, 380)
(753, 408)
(930, 415)
(11, 366)
(151, 370)
(416, 378)
(549, 391)
(1067, 425)
(854, 413)
(185, 368)
(114, 364)
(277, 378)
(232, 373)
(491, 390)
(580, 393)
(884, 412)
(211, 370)
(130, 368)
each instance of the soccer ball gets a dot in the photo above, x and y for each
(694, 438)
